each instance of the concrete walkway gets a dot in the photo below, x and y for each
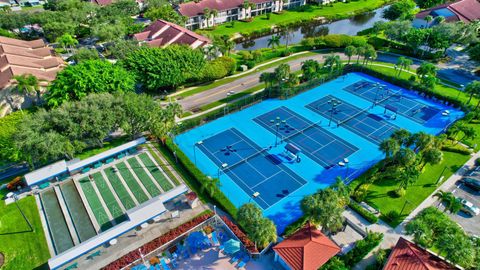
(391, 235)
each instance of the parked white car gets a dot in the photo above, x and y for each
(469, 208)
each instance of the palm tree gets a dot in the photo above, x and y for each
(247, 6)
(273, 41)
(439, 19)
(360, 51)
(389, 147)
(207, 14)
(286, 33)
(473, 89)
(267, 78)
(409, 176)
(442, 196)
(342, 189)
(211, 185)
(281, 73)
(402, 64)
(332, 62)
(431, 156)
(402, 136)
(310, 69)
(27, 84)
(427, 69)
(370, 54)
(349, 52)
(67, 41)
(214, 15)
(265, 233)
(428, 19)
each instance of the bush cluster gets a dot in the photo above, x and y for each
(362, 248)
(218, 68)
(370, 217)
(334, 41)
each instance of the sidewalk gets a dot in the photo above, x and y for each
(391, 235)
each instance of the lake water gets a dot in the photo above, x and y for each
(347, 26)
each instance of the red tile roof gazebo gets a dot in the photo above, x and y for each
(307, 249)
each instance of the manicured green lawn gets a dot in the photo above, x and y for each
(106, 146)
(22, 250)
(379, 193)
(339, 10)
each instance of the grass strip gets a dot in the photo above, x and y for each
(164, 166)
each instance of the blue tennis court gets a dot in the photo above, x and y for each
(370, 126)
(314, 141)
(381, 94)
(251, 167)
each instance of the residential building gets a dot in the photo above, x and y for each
(408, 255)
(19, 57)
(222, 11)
(162, 34)
(307, 249)
(463, 10)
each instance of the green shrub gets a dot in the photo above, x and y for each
(362, 248)
(399, 192)
(370, 217)
(457, 148)
(477, 162)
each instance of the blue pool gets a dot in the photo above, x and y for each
(340, 121)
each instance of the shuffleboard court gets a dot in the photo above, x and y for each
(131, 182)
(143, 176)
(317, 143)
(406, 106)
(97, 208)
(155, 172)
(370, 126)
(250, 167)
(108, 198)
(119, 188)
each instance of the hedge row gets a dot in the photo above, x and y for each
(200, 178)
(362, 248)
(456, 149)
(370, 217)
(334, 41)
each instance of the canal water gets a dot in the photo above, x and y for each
(347, 26)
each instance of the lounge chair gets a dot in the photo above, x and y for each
(164, 264)
(235, 258)
(215, 239)
(244, 261)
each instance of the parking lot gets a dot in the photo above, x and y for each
(469, 223)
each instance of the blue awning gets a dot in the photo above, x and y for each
(292, 148)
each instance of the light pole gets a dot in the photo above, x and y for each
(462, 87)
(15, 199)
(334, 103)
(277, 122)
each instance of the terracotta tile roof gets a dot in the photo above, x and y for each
(18, 57)
(463, 10)
(162, 33)
(409, 256)
(192, 9)
(307, 249)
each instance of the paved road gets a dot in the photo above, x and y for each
(249, 81)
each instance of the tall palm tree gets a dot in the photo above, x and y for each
(273, 41)
(431, 156)
(214, 13)
(333, 62)
(409, 176)
(389, 147)
(210, 185)
(473, 89)
(428, 19)
(427, 69)
(360, 51)
(267, 78)
(28, 84)
(439, 19)
(349, 52)
(442, 196)
(207, 13)
(286, 33)
(402, 136)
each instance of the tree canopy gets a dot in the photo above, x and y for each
(261, 230)
(91, 76)
(164, 68)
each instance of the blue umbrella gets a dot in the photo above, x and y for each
(195, 239)
(231, 246)
(139, 267)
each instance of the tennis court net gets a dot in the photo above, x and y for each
(259, 151)
(301, 131)
(360, 112)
